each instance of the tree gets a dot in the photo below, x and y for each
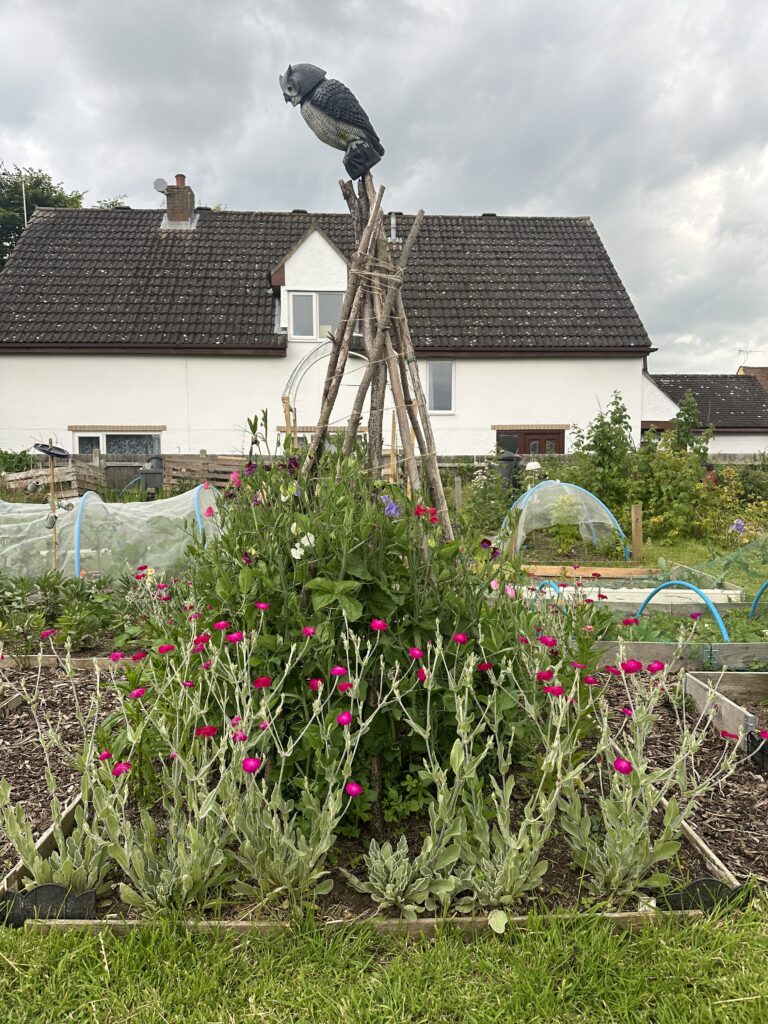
(40, 190)
(111, 202)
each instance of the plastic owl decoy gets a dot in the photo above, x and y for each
(334, 115)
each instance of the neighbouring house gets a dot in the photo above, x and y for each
(735, 405)
(142, 331)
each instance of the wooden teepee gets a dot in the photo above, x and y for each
(374, 298)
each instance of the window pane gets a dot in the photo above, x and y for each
(303, 316)
(88, 445)
(533, 447)
(507, 442)
(328, 308)
(550, 448)
(133, 444)
(440, 375)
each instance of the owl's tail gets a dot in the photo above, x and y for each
(360, 157)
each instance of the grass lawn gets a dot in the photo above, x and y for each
(709, 970)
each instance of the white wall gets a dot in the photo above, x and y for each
(738, 444)
(656, 405)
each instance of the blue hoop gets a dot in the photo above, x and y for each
(198, 514)
(551, 584)
(758, 595)
(702, 595)
(78, 525)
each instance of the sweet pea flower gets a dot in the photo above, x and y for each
(338, 670)
(553, 691)
(728, 735)
(308, 631)
(655, 666)
(344, 718)
(121, 768)
(460, 638)
(627, 710)
(632, 666)
(261, 605)
(509, 590)
(261, 682)
(206, 730)
(415, 653)
(239, 736)
(315, 684)
(209, 512)
(46, 633)
(545, 676)
(548, 641)
(379, 625)
(421, 675)
(222, 625)
(622, 766)
(495, 584)
(138, 693)
(353, 789)
(251, 765)
(165, 648)
(105, 755)
(235, 638)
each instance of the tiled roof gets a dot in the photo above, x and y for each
(111, 279)
(724, 400)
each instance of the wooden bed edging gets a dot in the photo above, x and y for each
(44, 846)
(697, 655)
(53, 660)
(704, 690)
(427, 927)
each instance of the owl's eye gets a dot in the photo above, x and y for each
(290, 89)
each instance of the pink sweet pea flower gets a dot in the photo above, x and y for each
(165, 648)
(379, 625)
(308, 631)
(415, 653)
(460, 638)
(251, 765)
(137, 693)
(235, 638)
(509, 590)
(105, 755)
(353, 789)
(344, 718)
(548, 641)
(545, 676)
(46, 633)
(121, 768)
(338, 670)
(622, 766)
(261, 682)
(116, 656)
(495, 584)
(206, 730)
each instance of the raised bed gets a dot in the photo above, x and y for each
(696, 655)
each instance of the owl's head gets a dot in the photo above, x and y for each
(298, 80)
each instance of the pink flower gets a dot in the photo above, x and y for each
(308, 631)
(239, 736)
(193, 616)
(632, 666)
(421, 675)
(188, 683)
(494, 584)
(589, 629)
(251, 765)
(209, 512)
(545, 676)
(140, 576)
(141, 568)
(597, 575)
(121, 768)
(261, 605)
(343, 687)
(728, 735)
(379, 625)
(415, 653)
(591, 681)
(165, 648)
(138, 655)
(548, 641)
(136, 694)
(695, 616)
(315, 684)
(172, 756)
(198, 648)
(612, 670)
(206, 730)
(162, 586)
(523, 640)
(263, 725)
(222, 625)
(655, 666)
(261, 682)
(203, 639)
(484, 666)
(235, 638)
(577, 664)
(105, 755)
(46, 633)
(207, 664)
(419, 510)
(206, 485)
(344, 718)
(763, 734)
(509, 590)
(622, 766)
(630, 622)
(554, 691)
(627, 710)
(353, 789)
(116, 656)
(338, 670)
(236, 720)
(460, 638)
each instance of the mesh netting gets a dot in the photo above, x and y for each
(106, 538)
(554, 503)
(747, 563)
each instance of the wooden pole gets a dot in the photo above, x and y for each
(393, 451)
(457, 492)
(287, 414)
(52, 502)
(637, 532)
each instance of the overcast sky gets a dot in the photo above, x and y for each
(650, 116)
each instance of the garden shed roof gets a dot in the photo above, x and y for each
(112, 280)
(724, 400)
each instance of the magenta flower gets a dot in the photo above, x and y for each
(138, 655)
(554, 691)
(116, 656)
(172, 756)
(763, 734)
(121, 768)
(577, 664)
(239, 736)
(263, 725)
(188, 683)
(344, 718)
(630, 622)
(137, 693)
(343, 687)
(206, 730)
(235, 638)
(162, 586)
(545, 676)
(523, 640)
(251, 765)
(484, 666)
(193, 616)
(415, 653)
(612, 670)
(315, 684)
(236, 720)
(353, 789)
(728, 735)
(460, 638)
(165, 648)
(655, 666)
(141, 568)
(379, 625)
(261, 682)
(622, 766)
(627, 710)
(338, 670)
(632, 666)
(209, 512)
(695, 616)
(207, 664)
(105, 755)
(421, 675)
(308, 631)
(222, 625)
(548, 641)
(46, 633)
(591, 681)
(509, 590)
(261, 605)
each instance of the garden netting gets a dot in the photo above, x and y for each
(104, 538)
(555, 503)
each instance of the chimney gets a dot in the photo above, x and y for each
(180, 207)
(759, 372)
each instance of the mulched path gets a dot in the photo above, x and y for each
(22, 758)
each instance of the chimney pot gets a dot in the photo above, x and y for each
(181, 180)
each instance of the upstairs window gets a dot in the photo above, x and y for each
(303, 315)
(314, 314)
(440, 385)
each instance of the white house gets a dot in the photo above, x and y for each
(135, 331)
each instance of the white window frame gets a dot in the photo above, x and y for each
(102, 436)
(442, 412)
(291, 333)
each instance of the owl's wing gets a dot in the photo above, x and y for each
(336, 100)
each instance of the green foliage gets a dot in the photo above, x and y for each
(486, 500)
(604, 454)
(40, 190)
(16, 462)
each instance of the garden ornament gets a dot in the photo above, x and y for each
(334, 115)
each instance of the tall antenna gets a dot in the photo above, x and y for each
(23, 197)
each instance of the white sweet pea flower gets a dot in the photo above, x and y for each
(297, 552)
(307, 540)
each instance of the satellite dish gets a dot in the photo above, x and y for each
(160, 185)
